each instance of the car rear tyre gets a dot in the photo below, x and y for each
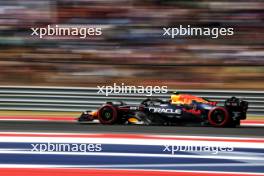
(107, 114)
(218, 117)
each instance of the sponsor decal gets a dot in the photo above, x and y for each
(193, 111)
(165, 110)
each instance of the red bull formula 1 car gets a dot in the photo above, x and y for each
(181, 109)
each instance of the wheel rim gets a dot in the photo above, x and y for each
(107, 114)
(218, 116)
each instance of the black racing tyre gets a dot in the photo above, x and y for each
(107, 114)
(218, 117)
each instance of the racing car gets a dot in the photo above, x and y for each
(180, 109)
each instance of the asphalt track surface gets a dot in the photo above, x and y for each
(61, 127)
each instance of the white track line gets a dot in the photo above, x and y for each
(136, 155)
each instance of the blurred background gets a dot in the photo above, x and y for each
(132, 49)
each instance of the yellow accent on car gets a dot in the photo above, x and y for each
(175, 99)
(94, 114)
(132, 120)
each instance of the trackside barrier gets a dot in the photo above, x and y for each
(80, 99)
